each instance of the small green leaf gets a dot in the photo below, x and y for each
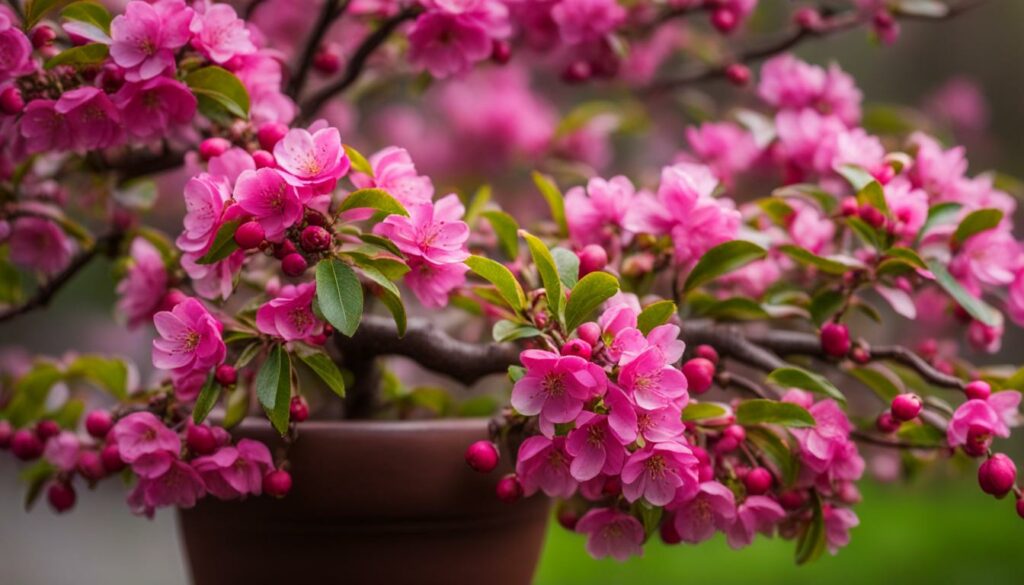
(36, 476)
(922, 435)
(274, 388)
(507, 230)
(389, 295)
(906, 255)
(794, 377)
(873, 195)
(339, 295)
(553, 195)
(885, 385)
(568, 264)
(30, 393)
(828, 265)
(825, 304)
(237, 408)
(731, 309)
(654, 315)
(696, 411)
(109, 374)
(808, 192)
(378, 199)
(722, 259)
(477, 204)
(207, 399)
(502, 278)
(506, 330)
(976, 307)
(756, 412)
(223, 243)
(777, 451)
(865, 232)
(251, 351)
(358, 161)
(548, 273)
(219, 92)
(324, 367)
(90, 13)
(976, 222)
(437, 400)
(939, 214)
(812, 542)
(35, 10)
(90, 54)
(588, 294)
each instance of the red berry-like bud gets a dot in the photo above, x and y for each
(612, 486)
(46, 429)
(6, 434)
(567, 517)
(298, 409)
(793, 499)
(249, 235)
(319, 339)
(98, 423)
(906, 406)
(327, 59)
(277, 483)
(736, 432)
(849, 207)
(509, 489)
(90, 465)
(226, 375)
(577, 347)
(707, 352)
(668, 532)
(61, 497)
(724, 19)
(978, 390)
(269, 134)
(1020, 507)
(871, 215)
(738, 74)
(26, 446)
(886, 423)
(43, 36)
(11, 102)
(883, 20)
(997, 475)
(264, 160)
(807, 18)
(860, 355)
(283, 249)
(835, 339)
(577, 72)
(111, 457)
(294, 265)
(590, 332)
(501, 52)
(592, 258)
(172, 299)
(212, 147)
(482, 456)
(928, 348)
(200, 439)
(699, 372)
(758, 481)
(315, 239)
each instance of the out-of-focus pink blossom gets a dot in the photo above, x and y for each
(39, 244)
(712, 508)
(587, 20)
(611, 533)
(151, 108)
(755, 514)
(599, 211)
(144, 284)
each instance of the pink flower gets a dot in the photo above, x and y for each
(231, 164)
(821, 445)
(807, 141)
(713, 508)
(394, 171)
(141, 434)
(587, 20)
(190, 338)
(909, 208)
(267, 196)
(543, 464)
(315, 159)
(555, 386)
(629, 343)
(44, 128)
(594, 448)
(220, 34)
(38, 244)
(452, 35)
(936, 170)
(146, 36)
(62, 451)
(984, 418)
(180, 485)
(788, 83)
(991, 257)
(838, 522)
(15, 51)
(725, 147)
(628, 421)
(809, 228)
(235, 472)
(660, 473)
(290, 315)
(1015, 299)
(652, 382)
(151, 108)
(433, 231)
(986, 338)
(611, 533)
(144, 284)
(433, 283)
(205, 196)
(596, 214)
(756, 514)
(960, 101)
(212, 281)
(93, 119)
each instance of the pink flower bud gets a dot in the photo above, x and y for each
(11, 102)
(978, 390)
(997, 475)
(315, 239)
(872, 216)
(294, 265)
(738, 74)
(1020, 507)
(26, 446)
(327, 59)
(482, 456)
(226, 375)
(249, 235)
(6, 434)
(849, 207)
(567, 517)
(90, 465)
(501, 51)
(298, 409)
(264, 160)
(269, 134)
(46, 429)
(283, 249)
(860, 355)
(906, 406)
(707, 352)
(592, 258)
(807, 18)
(835, 339)
(724, 20)
(277, 483)
(61, 497)
(576, 347)
(699, 372)
(172, 299)
(509, 489)
(577, 72)
(200, 439)
(98, 423)
(736, 432)
(928, 348)
(668, 532)
(793, 499)
(590, 332)
(886, 423)
(42, 36)
(111, 457)
(758, 481)
(212, 147)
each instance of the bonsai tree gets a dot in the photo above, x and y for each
(753, 263)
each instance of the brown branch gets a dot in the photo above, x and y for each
(902, 355)
(331, 11)
(870, 439)
(730, 341)
(746, 384)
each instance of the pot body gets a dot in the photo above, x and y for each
(387, 502)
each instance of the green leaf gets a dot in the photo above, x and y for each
(865, 232)
(358, 161)
(251, 351)
(516, 373)
(696, 411)
(588, 294)
(502, 278)
(812, 543)
(1015, 382)
(922, 435)
(828, 265)
(654, 315)
(223, 243)
(808, 192)
(90, 54)
(90, 13)
(556, 202)
(478, 406)
(722, 259)
(324, 367)
(873, 195)
(36, 476)
(237, 408)
(109, 374)
(976, 222)
(731, 309)
(35, 10)
(650, 517)
(389, 295)
(477, 204)
(907, 256)
(548, 274)
(219, 92)
(885, 385)
(976, 307)
(776, 209)
(30, 393)
(923, 8)
(794, 377)
(208, 398)
(437, 400)
(378, 199)
(756, 412)
(506, 330)
(939, 214)
(10, 280)
(274, 388)
(568, 264)
(507, 230)
(339, 295)
(777, 451)
(825, 304)
(68, 415)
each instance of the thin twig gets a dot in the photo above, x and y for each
(741, 382)
(331, 11)
(891, 443)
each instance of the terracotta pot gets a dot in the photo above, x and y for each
(373, 502)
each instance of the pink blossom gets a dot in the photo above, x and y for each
(1015, 298)
(151, 108)
(652, 382)
(628, 421)
(756, 514)
(180, 486)
(961, 103)
(93, 119)
(220, 34)
(788, 83)
(433, 232)
(838, 522)
(555, 386)
(985, 338)
(594, 448)
(144, 284)
(44, 128)
(394, 171)
(433, 283)
(314, 158)
(452, 35)
(807, 140)
(235, 472)
(543, 464)
(145, 37)
(231, 164)
(992, 416)
(809, 228)
(205, 196)
(618, 316)
(212, 281)
(62, 451)
(611, 533)
(270, 199)
(587, 20)
(630, 343)
(38, 244)
(141, 434)
(935, 170)
(991, 257)
(822, 444)
(660, 473)
(290, 315)
(190, 338)
(713, 508)
(909, 208)
(595, 214)
(726, 148)
(15, 51)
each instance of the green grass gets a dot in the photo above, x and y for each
(947, 534)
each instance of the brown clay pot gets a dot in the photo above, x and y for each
(386, 502)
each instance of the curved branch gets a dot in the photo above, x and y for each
(870, 439)
(730, 341)
(331, 11)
